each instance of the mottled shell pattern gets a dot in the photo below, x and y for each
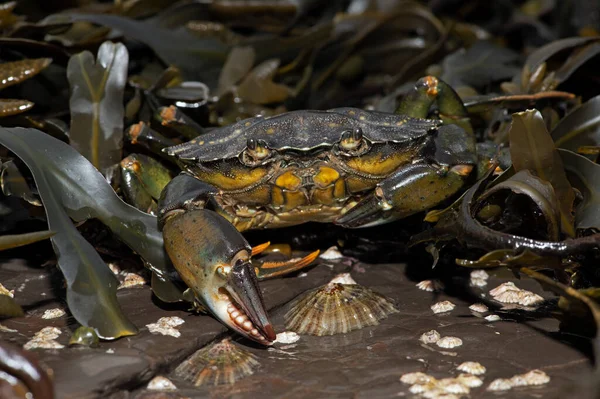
(295, 131)
(218, 364)
(338, 307)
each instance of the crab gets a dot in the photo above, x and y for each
(346, 166)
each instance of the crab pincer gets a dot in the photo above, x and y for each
(213, 259)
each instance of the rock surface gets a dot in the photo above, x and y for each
(366, 363)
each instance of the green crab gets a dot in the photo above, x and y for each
(346, 166)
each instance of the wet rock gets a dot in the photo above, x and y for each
(362, 364)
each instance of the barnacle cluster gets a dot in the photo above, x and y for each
(533, 377)
(509, 293)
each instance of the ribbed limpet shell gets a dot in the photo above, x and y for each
(338, 307)
(218, 364)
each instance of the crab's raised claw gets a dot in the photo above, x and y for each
(412, 189)
(266, 270)
(213, 259)
(429, 90)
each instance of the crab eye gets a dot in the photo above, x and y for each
(351, 139)
(256, 151)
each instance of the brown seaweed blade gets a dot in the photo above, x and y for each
(12, 73)
(10, 107)
(338, 307)
(218, 364)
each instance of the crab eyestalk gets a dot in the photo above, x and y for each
(213, 259)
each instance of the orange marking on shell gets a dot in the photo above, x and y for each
(462, 170)
(432, 89)
(168, 115)
(326, 176)
(288, 180)
(134, 132)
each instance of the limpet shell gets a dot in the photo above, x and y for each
(337, 308)
(218, 364)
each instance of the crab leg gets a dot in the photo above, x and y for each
(260, 248)
(419, 186)
(266, 270)
(406, 192)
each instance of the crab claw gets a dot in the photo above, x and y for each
(406, 192)
(213, 259)
(243, 287)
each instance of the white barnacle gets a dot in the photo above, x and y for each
(508, 296)
(53, 313)
(287, 337)
(452, 385)
(507, 286)
(480, 273)
(470, 380)
(166, 326)
(343, 278)
(533, 377)
(160, 383)
(331, 253)
(132, 280)
(416, 378)
(417, 389)
(430, 337)
(45, 339)
(474, 368)
(479, 308)
(529, 298)
(430, 285)
(500, 384)
(442, 307)
(449, 342)
(493, 317)
(479, 278)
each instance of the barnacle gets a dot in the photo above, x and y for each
(338, 307)
(479, 308)
(218, 364)
(430, 337)
(442, 307)
(473, 368)
(449, 342)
